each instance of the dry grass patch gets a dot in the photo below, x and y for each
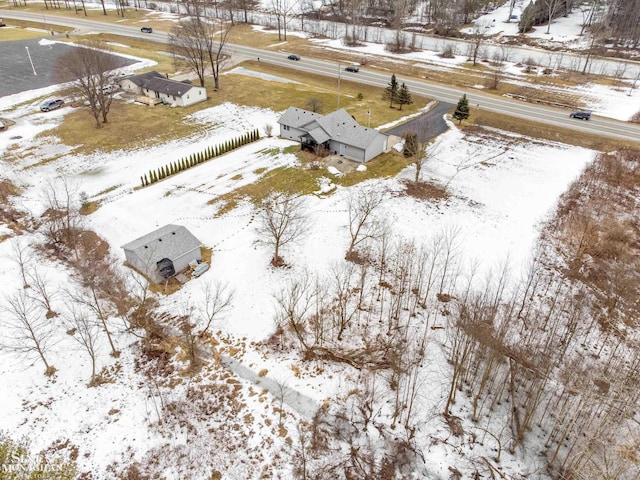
(425, 190)
(304, 179)
(11, 34)
(531, 128)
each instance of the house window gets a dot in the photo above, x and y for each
(286, 127)
(174, 97)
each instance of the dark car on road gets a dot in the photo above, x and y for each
(293, 56)
(146, 30)
(581, 115)
(51, 105)
(352, 68)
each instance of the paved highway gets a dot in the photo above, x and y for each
(514, 108)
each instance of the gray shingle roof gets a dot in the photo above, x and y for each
(343, 128)
(170, 87)
(297, 118)
(338, 126)
(170, 241)
(143, 78)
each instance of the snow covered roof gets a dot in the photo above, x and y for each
(170, 241)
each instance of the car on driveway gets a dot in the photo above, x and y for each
(146, 30)
(352, 68)
(581, 115)
(293, 56)
(51, 105)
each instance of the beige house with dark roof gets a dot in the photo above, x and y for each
(338, 132)
(172, 92)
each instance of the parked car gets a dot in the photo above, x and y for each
(51, 105)
(200, 269)
(353, 68)
(293, 56)
(582, 115)
(146, 30)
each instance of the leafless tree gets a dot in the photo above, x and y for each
(200, 42)
(218, 298)
(90, 66)
(20, 257)
(62, 220)
(294, 302)
(477, 39)
(362, 205)
(190, 41)
(216, 49)
(28, 331)
(84, 329)
(90, 298)
(283, 220)
(42, 291)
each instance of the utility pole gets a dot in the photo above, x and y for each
(338, 86)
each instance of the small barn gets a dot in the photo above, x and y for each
(164, 252)
(337, 132)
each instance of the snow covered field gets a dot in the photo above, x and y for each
(500, 192)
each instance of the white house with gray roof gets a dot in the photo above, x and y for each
(163, 252)
(172, 92)
(338, 132)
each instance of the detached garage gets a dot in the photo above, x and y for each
(164, 252)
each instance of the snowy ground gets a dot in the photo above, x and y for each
(499, 193)
(500, 190)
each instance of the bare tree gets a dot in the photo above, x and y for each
(62, 220)
(20, 256)
(215, 48)
(283, 220)
(85, 330)
(218, 298)
(27, 331)
(90, 298)
(91, 68)
(190, 41)
(363, 223)
(42, 291)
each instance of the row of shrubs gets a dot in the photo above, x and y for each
(195, 159)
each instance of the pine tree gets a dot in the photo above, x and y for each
(141, 180)
(404, 96)
(391, 91)
(462, 110)
(146, 179)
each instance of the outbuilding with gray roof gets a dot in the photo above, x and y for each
(163, 252)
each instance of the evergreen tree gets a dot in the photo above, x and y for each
(462, 110)
(146, 179)
(141, 180)
(391, 91)
(404, 96)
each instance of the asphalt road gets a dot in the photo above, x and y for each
(17, 73)
(551, 116)
(426, 126)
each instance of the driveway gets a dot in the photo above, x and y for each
(16, 73)
(427, 126)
